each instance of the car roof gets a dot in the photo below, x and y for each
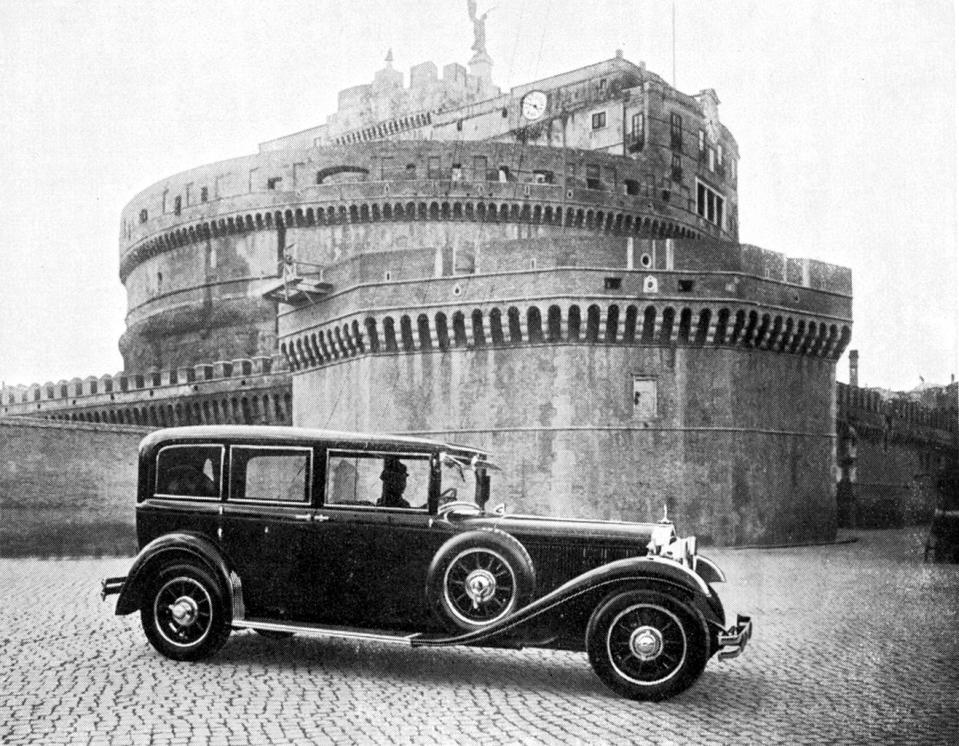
(302, 435)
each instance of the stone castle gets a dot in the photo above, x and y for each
(551, 272)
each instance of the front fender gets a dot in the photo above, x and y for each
(600, 582)
(182, 545)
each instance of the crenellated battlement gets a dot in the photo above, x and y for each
(868, 410)
(246, 390)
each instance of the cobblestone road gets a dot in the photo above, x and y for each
(854, 643)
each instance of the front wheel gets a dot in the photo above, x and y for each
(646, 645)
(183, 614)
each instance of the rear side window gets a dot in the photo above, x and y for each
(271, 474)
(189, 471)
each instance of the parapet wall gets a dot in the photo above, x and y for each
(890, 452)
(248, 391)
(67, 488)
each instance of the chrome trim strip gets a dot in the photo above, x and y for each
(344, 633)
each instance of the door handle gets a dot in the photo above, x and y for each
(311, 517)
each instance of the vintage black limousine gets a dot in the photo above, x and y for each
(388, 538)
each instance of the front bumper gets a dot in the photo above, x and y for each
(733, 641)
(110, 586)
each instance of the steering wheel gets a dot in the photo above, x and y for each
(452, 506)
(448, 495)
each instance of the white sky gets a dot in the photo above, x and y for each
(844, 111)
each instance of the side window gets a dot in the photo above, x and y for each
(271, 474)
(189, 471)
(378, 480)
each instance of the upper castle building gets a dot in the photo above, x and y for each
(552, 272)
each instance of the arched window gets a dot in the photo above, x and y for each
(554, 324)
(459, 329)
(649, 325)
(515, 329)
(423, 329)
(496, 327)
(442, 332)
(612, 323)
(685, 325)
(479, 336)
(534, 324)
(389, 334)
(573, 322)
(666, 332)
(406, 332)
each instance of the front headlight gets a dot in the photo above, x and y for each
(683, 551)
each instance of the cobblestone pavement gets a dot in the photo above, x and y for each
(854, 643)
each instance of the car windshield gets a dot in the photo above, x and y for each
(461, 479)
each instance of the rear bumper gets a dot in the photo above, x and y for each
(733, 641)
(111, 586)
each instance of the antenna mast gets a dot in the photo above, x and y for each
(674, 43)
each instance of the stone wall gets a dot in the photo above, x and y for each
(890, 452)
(67, 488)
(739, 445)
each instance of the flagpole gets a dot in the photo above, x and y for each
(674, 43)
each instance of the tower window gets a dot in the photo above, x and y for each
(638, 132)
(204, 194)
(592, 176)
(676, 131)
(177, 205)
(273, 182)
(677, 167)
(144, 215)
(479, 167)
(599, 120)
(709, 204)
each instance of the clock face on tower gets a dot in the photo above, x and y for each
(534, 105)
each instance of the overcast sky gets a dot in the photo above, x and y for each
(844, 112)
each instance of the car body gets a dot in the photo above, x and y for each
(287, 530)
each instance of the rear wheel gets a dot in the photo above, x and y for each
(183, 613)
(647, 645)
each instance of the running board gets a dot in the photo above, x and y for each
(312, 630)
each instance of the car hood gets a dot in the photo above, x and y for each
(570, 529)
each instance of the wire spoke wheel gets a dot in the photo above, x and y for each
(184, 614)
(480, 586)
(647, 644)
(182, 609)
(478, 578)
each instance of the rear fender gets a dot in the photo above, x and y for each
(598, 583)
(177, 546)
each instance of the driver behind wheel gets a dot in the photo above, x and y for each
(394, 483)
